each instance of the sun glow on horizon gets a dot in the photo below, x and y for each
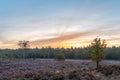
(63, 23)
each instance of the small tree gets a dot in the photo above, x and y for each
(60, 57)
(97, 50)
(24, 45)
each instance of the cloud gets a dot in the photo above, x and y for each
(61, 38)
(60, 27)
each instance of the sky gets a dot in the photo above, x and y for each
(59, 23)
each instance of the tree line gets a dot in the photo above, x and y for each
(113, 53)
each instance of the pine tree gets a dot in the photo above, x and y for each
(97, 50)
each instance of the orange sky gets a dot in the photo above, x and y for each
(79, 39)
(62, 23)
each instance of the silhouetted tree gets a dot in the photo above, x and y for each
(24, 45)
(97, 50)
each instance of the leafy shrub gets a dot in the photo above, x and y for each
(60, 57)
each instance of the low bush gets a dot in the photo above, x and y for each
(60, 57)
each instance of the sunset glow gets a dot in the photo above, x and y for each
(59, 23)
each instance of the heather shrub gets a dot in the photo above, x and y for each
(110, 70)
(58, 77)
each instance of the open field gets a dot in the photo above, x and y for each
(49, 69)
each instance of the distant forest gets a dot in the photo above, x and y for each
(113, 53)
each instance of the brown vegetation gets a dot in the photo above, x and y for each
(36, 69)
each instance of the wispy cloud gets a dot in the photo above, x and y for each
(67, 24)
(61, 38)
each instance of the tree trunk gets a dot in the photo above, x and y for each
(97, 65)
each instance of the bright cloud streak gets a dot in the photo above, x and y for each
(58, 23)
